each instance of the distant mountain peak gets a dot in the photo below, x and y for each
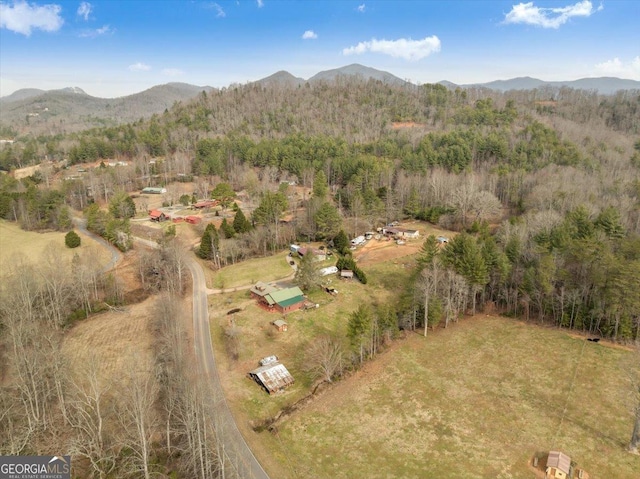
(281, 77)
(358, 70)
(73, 89)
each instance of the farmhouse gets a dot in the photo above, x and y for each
(400, 232)
(157, 215)
(284, 300)
(558, 466)
(273, 377)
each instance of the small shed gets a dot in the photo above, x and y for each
(410, 234)
(281, 325)
(346, 273)
(558, 465)
(273, 377)
(194, 220)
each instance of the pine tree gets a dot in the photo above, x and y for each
(227, 229)
(241, 223)
(429, 251)
(307, 277)
(341, 242)
(320, 187)
(209, 243)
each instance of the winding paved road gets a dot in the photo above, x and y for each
(240, 458)
(240, 461)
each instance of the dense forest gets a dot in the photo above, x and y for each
(544, 181)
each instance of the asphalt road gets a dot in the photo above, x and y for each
(240, 460)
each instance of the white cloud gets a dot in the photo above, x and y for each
(84, 10)
(406, 48)
(361, 8)
(220, 13)
(260, 3)
(22, 17)
(309, 35)
(139, 67)
(98, 32)
(172, 72)
(529, 14)
(619, 68)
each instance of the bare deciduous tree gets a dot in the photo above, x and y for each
(325, 357)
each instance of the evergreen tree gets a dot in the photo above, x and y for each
(307, 277)
(327, 220)
(72, 240)
(241, 223)
(209, 243)
(429, 251)
(320, 187)
(341, 242)
(227, 229)
(358, 329)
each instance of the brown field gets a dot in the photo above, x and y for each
(30, 245)
(117, 340)
(497, 397)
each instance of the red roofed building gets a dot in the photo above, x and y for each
(205, 204)
(157, 215)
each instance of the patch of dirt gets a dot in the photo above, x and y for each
(396, 125)
(377, 251)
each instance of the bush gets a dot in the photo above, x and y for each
(72, 240)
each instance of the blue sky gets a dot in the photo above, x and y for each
(115, 48)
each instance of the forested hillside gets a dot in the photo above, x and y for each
(544, 181)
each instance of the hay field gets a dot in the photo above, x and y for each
(477, 400)
(30, 245)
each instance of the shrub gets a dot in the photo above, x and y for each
(72, 240)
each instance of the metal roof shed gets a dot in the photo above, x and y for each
(273, 377)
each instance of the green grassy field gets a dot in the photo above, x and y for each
(31, 245)
(248, 272)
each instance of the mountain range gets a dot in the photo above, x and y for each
(71, 109)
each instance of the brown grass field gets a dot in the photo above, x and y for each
(476, 400)
(31, 245)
